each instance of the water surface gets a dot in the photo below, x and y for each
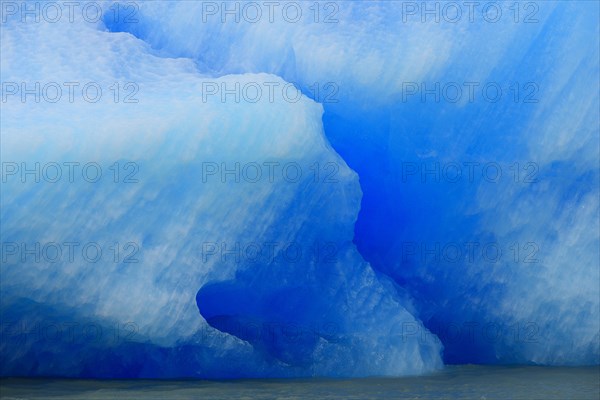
(454, 382)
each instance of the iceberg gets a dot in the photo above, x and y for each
(474, 131)
(227, 189)
(167, 231)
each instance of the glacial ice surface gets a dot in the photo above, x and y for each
(512, 274)
(211, 316)
(295, 299)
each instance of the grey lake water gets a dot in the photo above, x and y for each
(454, 382)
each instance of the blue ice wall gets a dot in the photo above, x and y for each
(150, 256)
(476, 142)
(457, 227)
